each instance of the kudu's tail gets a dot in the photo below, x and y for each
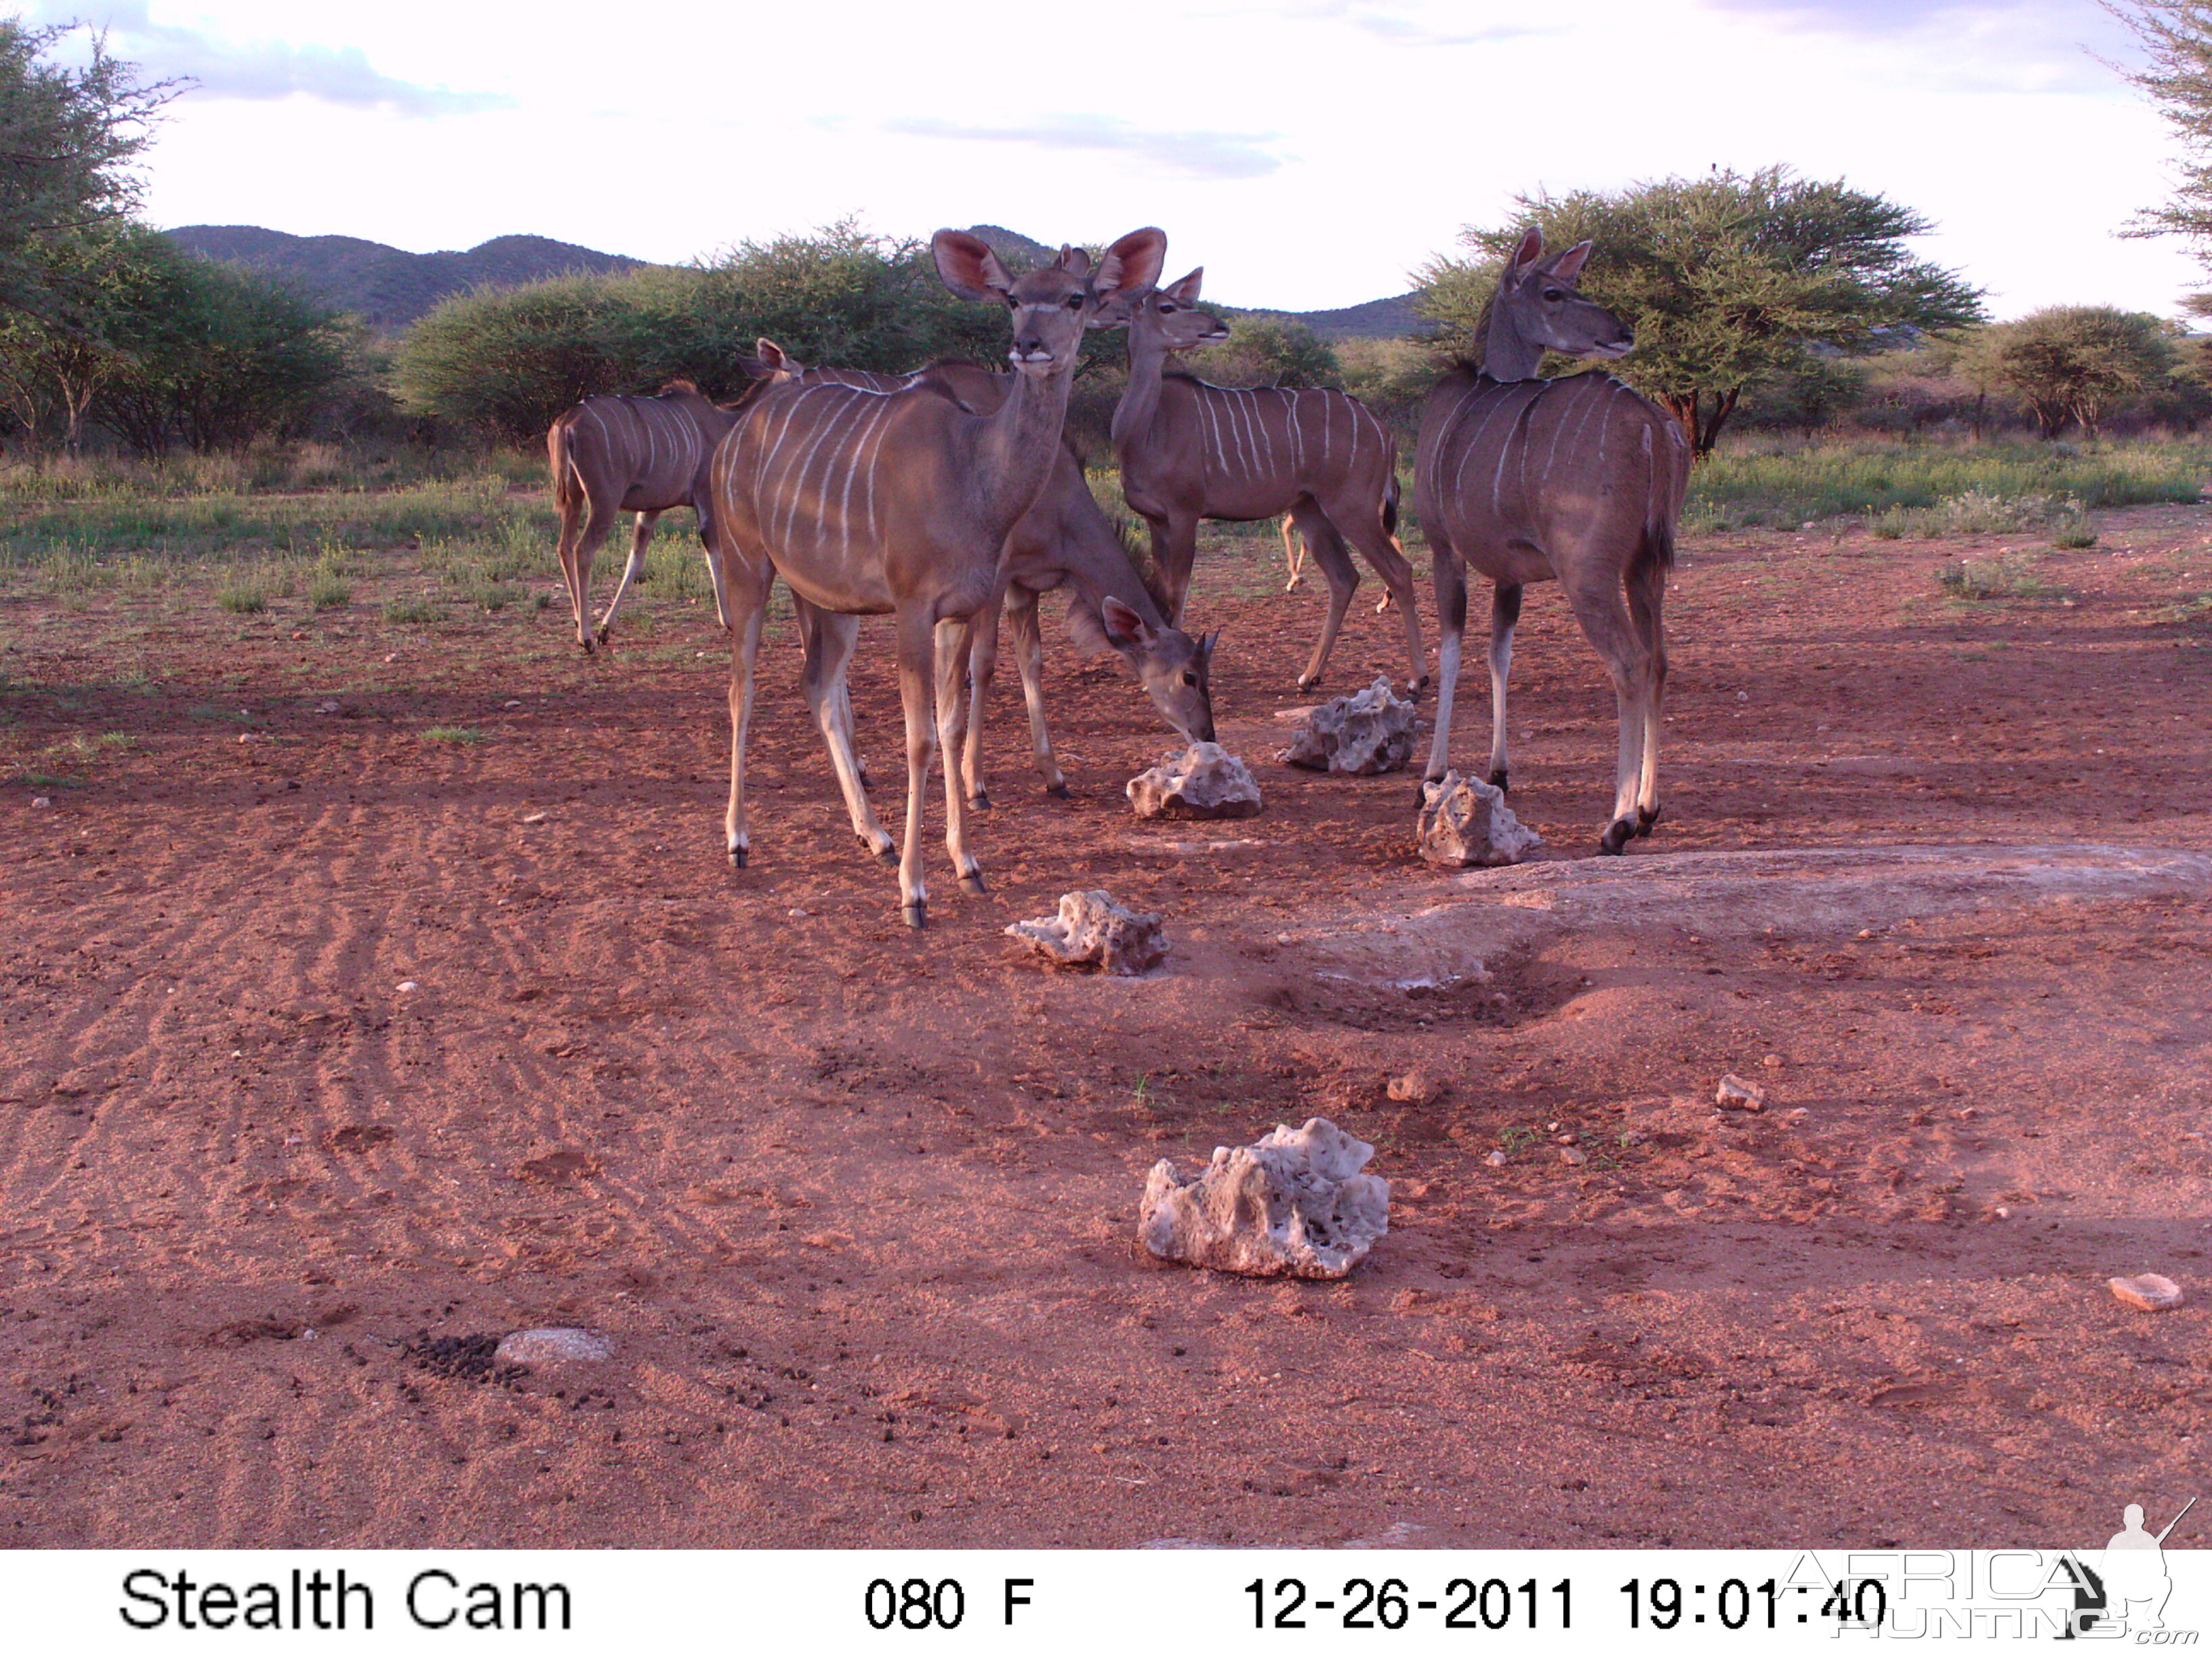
(1390, 501)
(561, 456)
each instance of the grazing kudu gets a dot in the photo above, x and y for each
(1065, 540)
(1191, 451)
(641, 455)
(900, 502)
(1577, 480)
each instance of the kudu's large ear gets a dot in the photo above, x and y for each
(1124, 627)
(770, 358)
(1074, 260)
(1205, 644)
(1131, 263)
(1186, 291)
(969, 268)
(1530, 251)
(1567, 266)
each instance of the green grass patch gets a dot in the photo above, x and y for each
(50, 780)
(414, 610)
(462, 734)
(1768, 485)
(327, 589)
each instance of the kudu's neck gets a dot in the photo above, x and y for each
(1020, 442)
(1507, 353)
(1140, 399)
(1098, 568)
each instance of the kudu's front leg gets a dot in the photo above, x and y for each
(982, 669)
(952, 638)
(1451, 578)
(1028, 656)
(1504, 616)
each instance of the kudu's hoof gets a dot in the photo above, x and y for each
(1645, 817)
(1415, 687)
(737, 857)
(587, 647)
(888, 851)
(972, 882)
(1617, 835)
(1305, 685)
(981, 800)
(1498, 782)
(917, 914)
(1058, 792)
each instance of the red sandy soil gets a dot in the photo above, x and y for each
(857, 1204)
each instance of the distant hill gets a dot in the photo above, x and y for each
(389, 286)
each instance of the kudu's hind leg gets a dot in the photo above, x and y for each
(1599, 608)
(1326, 549)
(1504, 617)
(917, 681)
(639, 539)
(586, 522)
(1294, 554)
(1028, 656)
(828, 640)
(1388, 560)
(1647, 593)
(745, 649)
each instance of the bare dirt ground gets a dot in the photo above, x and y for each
(857, 1204)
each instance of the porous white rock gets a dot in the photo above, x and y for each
(2152, 1292)
(1202, 782)
(1092, 931)
(553, 1345)
(1298, 1204)
(1465, 821)
(1369, 732)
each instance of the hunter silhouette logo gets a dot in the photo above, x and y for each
(2127, 1591)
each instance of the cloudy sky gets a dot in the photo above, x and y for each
(1308, 153)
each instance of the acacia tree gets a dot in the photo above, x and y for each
(2076, 363)
(67, 139)
(1728, 280)
(1264, 351)
(2176, 37)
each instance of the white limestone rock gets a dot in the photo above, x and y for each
(1202, 782)
(1465, 821)
(2150, 1292)
(1092, 931)
(1369, 732)
(1297, 1204)
(553, 1345)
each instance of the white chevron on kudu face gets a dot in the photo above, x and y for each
(1191, 451)
(869, 498)
(1064, 540)
(643, 455)
(1577, 480)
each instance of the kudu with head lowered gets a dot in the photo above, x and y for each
(1191, 451)
(1065, 540)
(900, 502)
(1577, 480)
(616, 455)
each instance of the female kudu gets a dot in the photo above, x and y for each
(867, 503)
(1577, 480)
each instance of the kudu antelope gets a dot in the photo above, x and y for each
(1191, 451)
(1295, 550)
(641, 455)
(867, 503)
(1065, 540)
(1577, 480)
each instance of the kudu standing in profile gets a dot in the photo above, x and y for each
(641, 455)
(1065, 540)
(1191, 451)
(867, 503)
(1577, 480)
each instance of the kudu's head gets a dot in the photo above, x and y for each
(1171, 667)
(1052, 305)
(1538, 310)
(1167, 319)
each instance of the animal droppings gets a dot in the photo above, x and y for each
(1092, 931)
(1735, 1094)
(1297, 1204)
(554, 1345)
(2151, 1293)
(1369, 732)
(1202, 782)
(1465, 822)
